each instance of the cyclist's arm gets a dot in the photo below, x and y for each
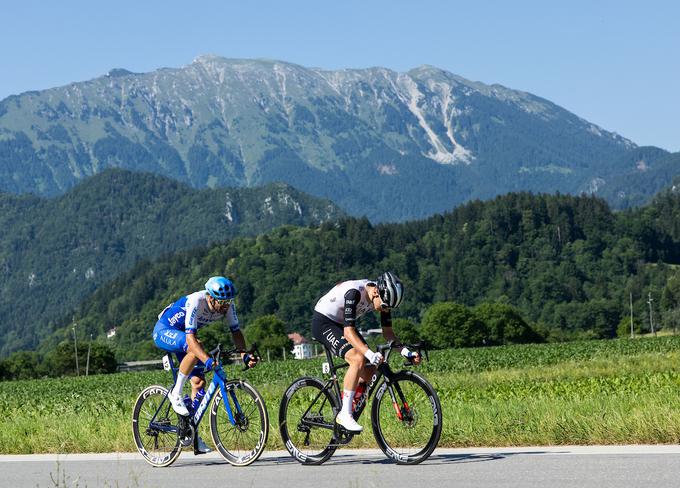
(352, 337)
(239, 341)
(194, 347)
(236, 334)
(389, 335)
(190, 328)
(352, 298)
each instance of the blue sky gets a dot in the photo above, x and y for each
(614, 63)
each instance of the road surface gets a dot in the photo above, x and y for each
(524, 467)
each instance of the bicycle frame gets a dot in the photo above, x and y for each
(383, 370)
(218, 381)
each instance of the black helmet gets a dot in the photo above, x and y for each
(391, 289)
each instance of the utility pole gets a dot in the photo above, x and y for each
(87, 365)
(651, 321)
(632, 332)
(75, 344)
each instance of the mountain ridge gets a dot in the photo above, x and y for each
(347, 135)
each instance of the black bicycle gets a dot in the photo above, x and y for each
(239, 423)
(405, 414)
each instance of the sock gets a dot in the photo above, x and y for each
(347, 402)
(179, 385)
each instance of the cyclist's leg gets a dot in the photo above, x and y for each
(175, 341)
(197, 379)
(331, 335)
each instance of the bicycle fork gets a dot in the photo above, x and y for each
(227, 393)
(405, 410)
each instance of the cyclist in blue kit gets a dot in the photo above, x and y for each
(175, 332)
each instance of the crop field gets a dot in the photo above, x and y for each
(595, 392)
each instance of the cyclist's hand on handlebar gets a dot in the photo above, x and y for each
(250, 360)
(412, 356)
(375, 358)
(209, 364)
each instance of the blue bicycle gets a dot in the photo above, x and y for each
(239, 423)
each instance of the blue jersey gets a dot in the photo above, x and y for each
(191, 312)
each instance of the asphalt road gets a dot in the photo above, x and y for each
(545, 467)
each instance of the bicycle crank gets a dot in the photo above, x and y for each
(185, 431)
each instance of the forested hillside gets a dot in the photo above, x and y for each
(568, 263)
(54, 252)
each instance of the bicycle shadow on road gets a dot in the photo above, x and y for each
(434, 459)
(476, 458)
(356, 459)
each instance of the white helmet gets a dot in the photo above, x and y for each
(391, 289)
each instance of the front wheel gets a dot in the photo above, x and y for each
(307, 420)
(155, 427)
(240, 443)
(406, 417)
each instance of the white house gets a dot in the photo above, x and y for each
(302, 349)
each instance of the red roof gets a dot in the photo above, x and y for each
(297, 338)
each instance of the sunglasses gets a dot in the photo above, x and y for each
(227, 301)
(383, 305)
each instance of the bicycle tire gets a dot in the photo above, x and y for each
(243, 443)
(396, 433)
(298, 399)
(165, 452)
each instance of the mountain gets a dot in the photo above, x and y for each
(389, 145)
(56, 251)
(644, 172)
(568, 263)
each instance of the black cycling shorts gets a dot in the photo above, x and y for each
(330, 334)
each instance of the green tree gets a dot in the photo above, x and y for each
(670, 302)
(269, 332)
(506, 324)
(406, 331)
(61, 360)
(449, 324)
(21, 365)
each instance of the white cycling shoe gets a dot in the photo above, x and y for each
(347, 421)
(177, 403)
(202, 447)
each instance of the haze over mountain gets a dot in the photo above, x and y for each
(389, 145)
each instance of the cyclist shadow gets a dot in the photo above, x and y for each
(434, 459)
(357, 459)
(475, 458)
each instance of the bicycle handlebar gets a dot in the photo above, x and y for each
(217, 353)
(421, 347)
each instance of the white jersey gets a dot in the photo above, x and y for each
(191, 312)
(333, 304)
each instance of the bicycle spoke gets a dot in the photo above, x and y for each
(159, 448)
(408, 422)
(301, 416)
(241, 442)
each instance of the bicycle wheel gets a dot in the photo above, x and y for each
(406, 418)
(154, 427)
(242, 443)
(306, 421)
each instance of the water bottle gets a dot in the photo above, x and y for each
(197, 400)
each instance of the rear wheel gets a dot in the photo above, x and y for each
(154, 427)
(306, 421)
(406, 418)
(243, 442)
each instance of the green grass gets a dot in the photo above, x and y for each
(596, 392)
